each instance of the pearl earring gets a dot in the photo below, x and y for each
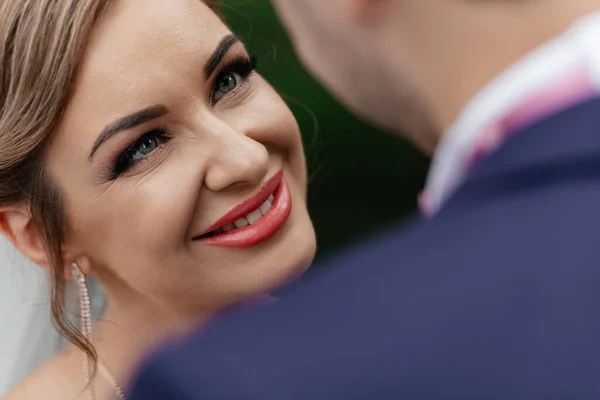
(86, 320)
(86, 329)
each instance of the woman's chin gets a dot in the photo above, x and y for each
(292, 253)
(287, 273)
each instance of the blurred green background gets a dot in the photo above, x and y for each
(361, 179)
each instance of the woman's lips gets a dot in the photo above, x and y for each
(264, 222)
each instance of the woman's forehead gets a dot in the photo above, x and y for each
(141, 52)
(141, 29)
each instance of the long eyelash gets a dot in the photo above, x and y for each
(243, 66)
(122, 163)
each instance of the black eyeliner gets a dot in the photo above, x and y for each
(123, 164)
(241, 65)
(244, 66)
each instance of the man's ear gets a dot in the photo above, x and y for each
(366, 10)
(16, 224)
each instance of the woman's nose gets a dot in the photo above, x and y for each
(240, 161)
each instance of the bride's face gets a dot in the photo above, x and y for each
(168, 140)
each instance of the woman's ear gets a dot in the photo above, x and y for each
(18, 227)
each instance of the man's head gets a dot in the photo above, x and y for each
(410, 66)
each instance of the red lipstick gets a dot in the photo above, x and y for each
(262, 229)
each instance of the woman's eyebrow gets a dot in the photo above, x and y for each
(220, 52)
(128, 122)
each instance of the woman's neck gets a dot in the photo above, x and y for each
(131, 328)
(127, 333)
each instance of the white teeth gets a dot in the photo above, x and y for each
(240, 223)
(254, 216)
(266, 206)
(250, 219)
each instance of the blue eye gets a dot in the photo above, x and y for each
(142, 148)
(232, 76)
(227, 82)
(139, 151)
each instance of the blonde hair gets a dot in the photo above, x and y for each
(41, 45)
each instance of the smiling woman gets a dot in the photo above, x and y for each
(139, 146)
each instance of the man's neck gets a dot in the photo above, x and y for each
(475, 44)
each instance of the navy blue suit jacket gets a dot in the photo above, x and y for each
(496, 297)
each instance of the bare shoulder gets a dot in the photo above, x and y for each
(60, 378)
